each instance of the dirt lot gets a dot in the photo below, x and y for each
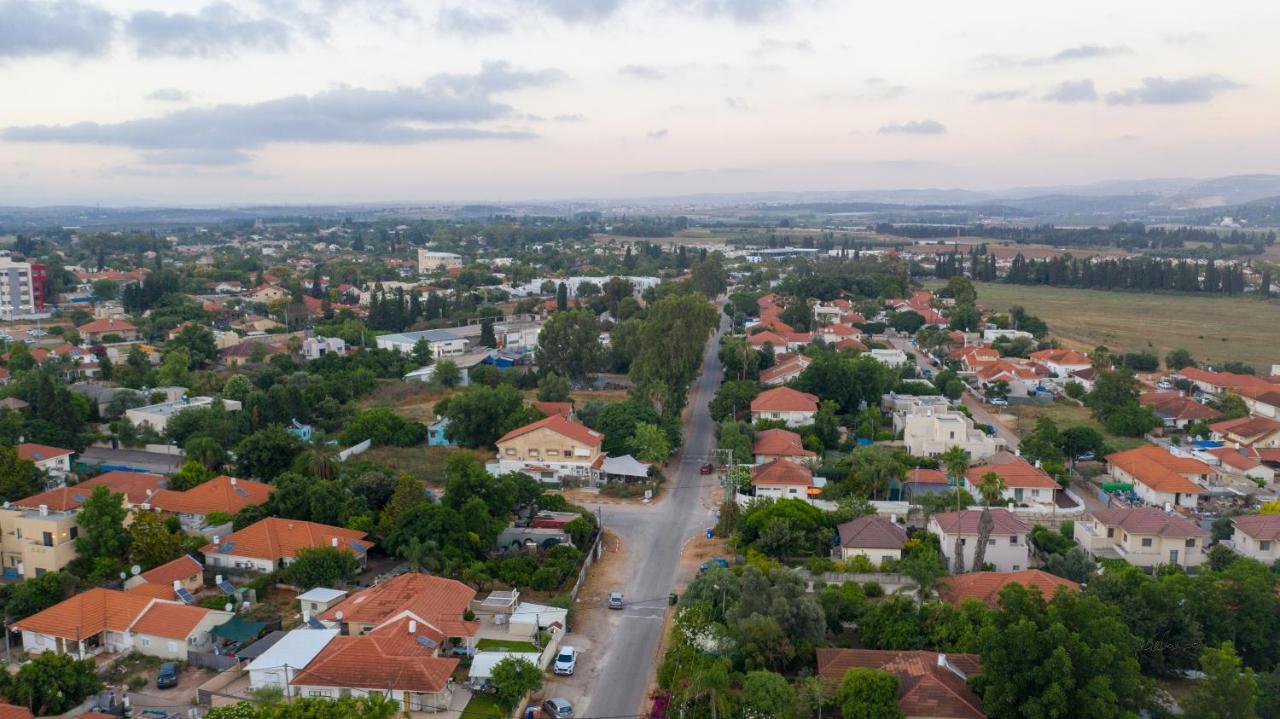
(414, 400)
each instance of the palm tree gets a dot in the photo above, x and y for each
(991, 487)
(712, 683)
(956, 462)
(985, 524)
(321, 459)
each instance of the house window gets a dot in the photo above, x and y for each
(963, 541)
(553, 453)
(1111, 532)
(1191, 543)
(75, 532)
(1017, 567)
(319, 693)
(1146, 541)
(1013, 539)
(533, 453)
(173, 646)
(19, 530)
(510, 451)
(991, 542)
(144, 641)
(1265, 545)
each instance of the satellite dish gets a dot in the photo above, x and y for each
(230, 606)
(339, 615)
(123, 575)
(135, 570)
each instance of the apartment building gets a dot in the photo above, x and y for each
(21, 289)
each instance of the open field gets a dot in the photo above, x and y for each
(1213, 329)
(1063, 414)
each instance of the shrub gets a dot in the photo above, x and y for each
(872, 590)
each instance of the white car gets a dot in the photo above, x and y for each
(1164, 384)
(36, 333)
(566, 661)
(999, 402)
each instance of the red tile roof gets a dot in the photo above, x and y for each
(966, 522)
(1149, 520)
(872, 532)
(40, 452)
(180, 569)
(1061, 357)
(780, 442)
(134, 485)
(925, 689)
(220, 494)
(274, 539)
(793, 365)
(1160, 470)
(780, 472)
(1177, 406)
(86, 614)
(1248, 428)
(389, 658)
(1016, 474)
(434, 600)
(927, 476)
(1264, 527)
(1224, 379)
(784, 399)
(762, 338)
(13, 711)
(559, 425)
(170, 621)
(1235, 458)
(986, 586)
(107, 325)
(564, 409)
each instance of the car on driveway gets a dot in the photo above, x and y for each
(615, 600)
(167, 676)
(557, 709)
(566, 661)
(999, 402)
(707, 468)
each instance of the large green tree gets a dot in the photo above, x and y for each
(52, 683)
(18, 477)
(1228, 691)
(569, 344)
(868, 694)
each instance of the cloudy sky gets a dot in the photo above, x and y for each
(232, 101)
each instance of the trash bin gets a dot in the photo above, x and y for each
(671, 599)
(710, 532)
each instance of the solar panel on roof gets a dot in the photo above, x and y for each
(78, 497)
(226, 587)
(315, 623)
(226, 547)
(240, 491)
(185, 596)
(355, 545)
(164, 484)
(426, 643)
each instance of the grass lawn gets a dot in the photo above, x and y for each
(484, 706)
(1066, 414)
(1213, 329)
(505, 645)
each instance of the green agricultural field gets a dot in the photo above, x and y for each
(1213, 329)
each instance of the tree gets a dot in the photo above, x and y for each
(868, 694)
(569, 344)
(384, 428)
(487, 336)
(174, 370)
(562, 297)
(102, 533)
(422, 353)
(671, 343)
(553, 388)
(925, 570)
(18, 477)
(1131, 420)
(649, 443)
(447, 373)
(908, 321)
(1074, 565)
(267, 452)
(198, 341)
(766, 694)
(990, 487)
(206, 451)
(1081, 440)
(733, 400)
(150, 541)
(1228, 691)
(322, 567)
(711, 683)
(618, 422)
(53, 683)
(1178, 359)
(709, 276)
(513, 677)
(1112, 391)
(38, 594)
(479, 415)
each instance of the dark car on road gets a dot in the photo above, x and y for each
(707, 468)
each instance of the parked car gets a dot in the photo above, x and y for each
(615, 600)
(999, 402)
(1164, 384)
(707, 468)
(717, 562)
(557, 709)
(566, 661)
(167, 676)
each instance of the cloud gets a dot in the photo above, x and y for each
(657, 134)
(914, 127)
(736, 103)
(218, 29)
(29, 28)
(643, 72)
(579, 11)
(745, 11)
(570, 117)
(206, 157)
(1000, 61)
(872, 89)
(463, 21)
(168, 94)
(1180, 91)
(1186, 38)
(1000, 95)
(1072, 91)
(443, 108)
(771, 46)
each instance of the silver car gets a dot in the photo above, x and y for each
(615, 600)
(557, 709)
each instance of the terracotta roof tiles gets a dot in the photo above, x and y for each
(220, 494)
(872, 532)
(986, 586)
(784, 399)
(274, 538)
(559, 425)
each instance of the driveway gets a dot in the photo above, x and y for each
(615, 673)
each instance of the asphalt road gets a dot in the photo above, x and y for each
(656, 537)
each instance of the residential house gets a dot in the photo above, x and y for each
(551, 448)
(1257, 536)
(1161, 478)
(1061, 363)
(927, 433)
(1241, 462)
(105, 620)
(1253, 432)
(313, 348)
(95, 331)
(564, 409)
(892, 358)
(919, 482)
(243, 353)
(1007, 547)
(1262, 401)
(54, 461)
(1019, 378)
(319, 600)
(773, 339)
(836, 333)
(273, 543)
(985, 587)
(930, 685)
(875, 537)
(1024, 483)
(185, 572)
(785, 370)
(222, 495)
(1143, 536)
(901, 405)
(432, 260)
(1176, 409)
(280, 663)
(779, 443)
(782, 479)
(443, 343)
(267, 294)
(1216, 383)
(437, 602)
(156, 416)
(974, 357)
(438, 433)
(794, 407)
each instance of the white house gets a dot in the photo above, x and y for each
(1007, 548)
(1257, 536)
(53, 460)
(875, 537)
(1161, 478)
(431, 260)
(927, 432)
(273, 543)
(314, 348)
(781, 479)
(892, 358)
(156, 416)
(794, 407)
(443, 343)
(277, 666)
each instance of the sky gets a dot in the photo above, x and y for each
(161, 102)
